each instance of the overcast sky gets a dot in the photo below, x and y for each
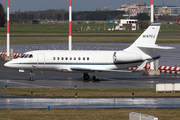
(77, 5)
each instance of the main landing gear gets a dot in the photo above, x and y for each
(86, 76)
(31, 76)
(95, 78)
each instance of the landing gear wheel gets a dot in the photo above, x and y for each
(86, 77)
(95, 79)
(31, 79)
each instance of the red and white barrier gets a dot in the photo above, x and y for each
(16, 55)
(168, 71)
(170, 68)
(2, 54)
(163, 69)
(134, 68)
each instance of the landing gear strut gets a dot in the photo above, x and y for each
(31, 76)
(86, 76)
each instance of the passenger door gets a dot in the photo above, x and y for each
(40, 61)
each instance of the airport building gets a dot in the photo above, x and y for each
(159, 10)
(127, 24)
(162, 10)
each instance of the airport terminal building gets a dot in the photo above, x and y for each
(159, 10)
(162, 10)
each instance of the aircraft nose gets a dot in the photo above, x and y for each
(7, 64)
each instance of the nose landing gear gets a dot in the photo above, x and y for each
(31, 76)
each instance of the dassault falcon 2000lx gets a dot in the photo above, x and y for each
(138, 54)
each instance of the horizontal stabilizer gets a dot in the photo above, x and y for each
(99, 70)
(155, 46)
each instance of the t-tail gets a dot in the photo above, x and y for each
(146, 42)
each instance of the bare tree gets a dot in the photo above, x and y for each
(2, 16)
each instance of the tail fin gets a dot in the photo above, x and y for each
(146, 41)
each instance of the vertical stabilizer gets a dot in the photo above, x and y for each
(147, 38)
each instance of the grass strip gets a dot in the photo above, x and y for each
(84, 39)
(85, 114)
(62, 29)
(88, 92)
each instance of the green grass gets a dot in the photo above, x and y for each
(85, 114)
(87, 93)
(31, 29)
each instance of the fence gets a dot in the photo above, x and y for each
(139, 116)
(167, 87)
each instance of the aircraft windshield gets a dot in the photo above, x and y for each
(26, 56)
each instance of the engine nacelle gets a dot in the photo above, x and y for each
(122, 56)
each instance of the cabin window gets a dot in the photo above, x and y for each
(79, 58)
(58, 58)
(87, 58)
(30, 56)
(70, 58)
(54, 58)
(66, 58)
(83, 58)
(62, 58)
(74, 58)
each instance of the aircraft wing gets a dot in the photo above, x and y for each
(103, 70)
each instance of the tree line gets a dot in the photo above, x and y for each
(61, 14)
(64, 15)
(2, 16)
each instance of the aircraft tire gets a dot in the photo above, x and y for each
(31, 79)
(95, 79)
(86, 77)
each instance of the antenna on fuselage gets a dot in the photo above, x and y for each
(70, 25)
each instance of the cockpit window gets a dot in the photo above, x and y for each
(22, 56)
(26, 56)
(30, 56)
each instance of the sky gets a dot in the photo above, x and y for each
(77, 5)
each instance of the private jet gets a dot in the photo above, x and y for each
(137, 54)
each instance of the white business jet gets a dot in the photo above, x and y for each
(138, 54)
